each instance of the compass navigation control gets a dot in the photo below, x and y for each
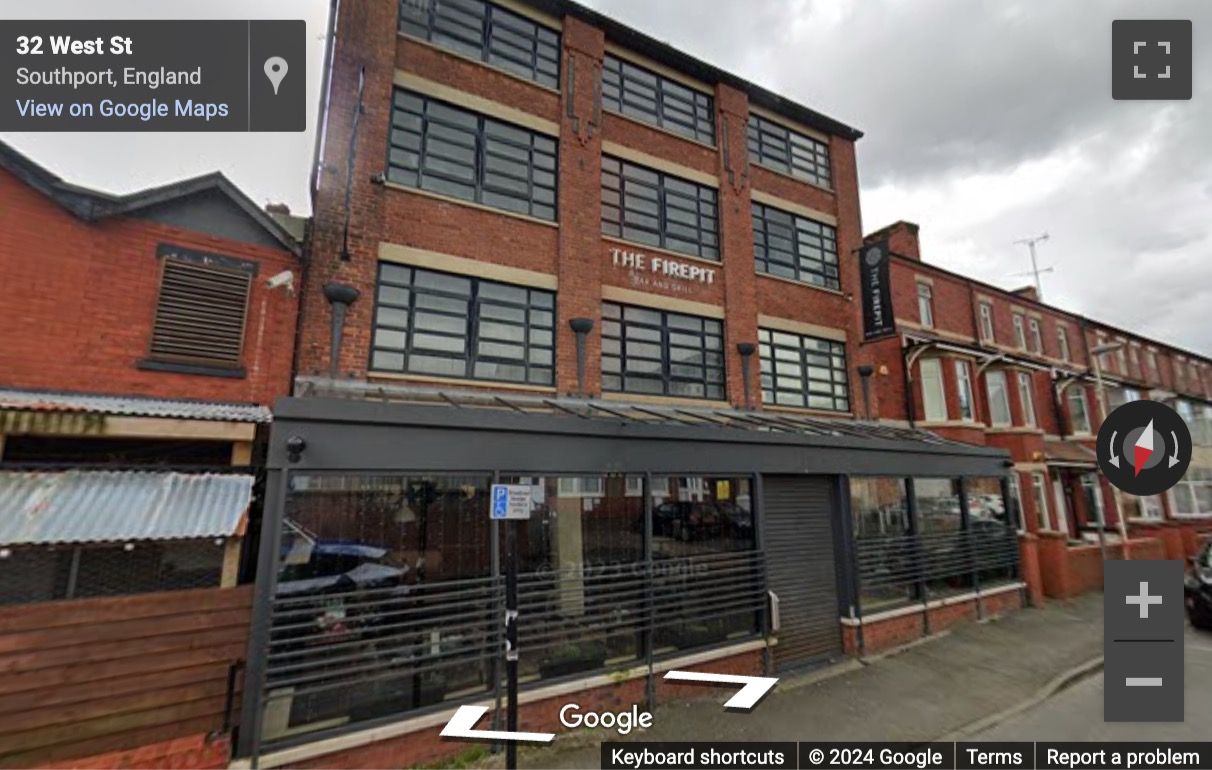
(1144, 448)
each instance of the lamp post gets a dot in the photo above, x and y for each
(1095, 353)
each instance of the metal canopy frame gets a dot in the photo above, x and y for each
(384, 428)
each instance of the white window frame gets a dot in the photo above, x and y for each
(1121, 358)
(1204, 480)
(1026, 399)
(1037, 340)
(1102, 357)
(1079, 395)
(999, 376)
(1062, 338)
(1016, 495)
(635, 486)
(1039, 485)
(576, 486)
(1020, 332)
(925, 304)
(930, 372)
(1134, 357)
(963, 384)
(1154, 369)
(986, 313)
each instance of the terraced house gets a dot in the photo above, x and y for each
(991, 367)
(552, 251)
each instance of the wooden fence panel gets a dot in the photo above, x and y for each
(90, 676)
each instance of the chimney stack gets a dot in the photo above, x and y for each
(1029, 292)
(902, 239)
(277, 208)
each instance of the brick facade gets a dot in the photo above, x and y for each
(887, 631)
(1052, 442)
(82, 298)
(573, 250)
(427, 747)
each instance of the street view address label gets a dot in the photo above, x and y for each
(153, 75)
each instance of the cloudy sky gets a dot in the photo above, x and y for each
(987, 121)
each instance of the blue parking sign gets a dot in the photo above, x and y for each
(510, 501)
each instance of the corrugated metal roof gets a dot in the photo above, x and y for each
(108, 506)
(133, 406)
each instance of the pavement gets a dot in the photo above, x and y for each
(947, 685)
(1077, 713)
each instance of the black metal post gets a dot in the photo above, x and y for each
(757, 511)
(649, 620)
(848, 551)
(746, 349)
(511, 638)
(494, 545)
(1013, 520)
(581, 327)
(969, 543)
(919, 556)
(253, 698)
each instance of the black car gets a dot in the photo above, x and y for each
(1197, 589)
(685, 520)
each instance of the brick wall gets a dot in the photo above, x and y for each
(1070, 571)
(574, 250)
(427, 746)
(196, 752)
(82, 300)
(883, 634)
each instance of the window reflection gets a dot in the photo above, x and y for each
(883, 543)
(384, 602)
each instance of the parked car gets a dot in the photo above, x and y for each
(1197, 589)
(685, 520)
(320, 580)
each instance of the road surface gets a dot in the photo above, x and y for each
(1076, 714)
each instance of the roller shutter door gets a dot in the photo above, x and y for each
(798, 540)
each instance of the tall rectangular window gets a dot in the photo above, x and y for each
(1039, 484)
(486, 32)
(777, 147)
(963, 380)
(986, 322)
(1154, 370)
(1134, 357)
(660, 353)
(1037, 340)
(447, 325)
(999, 398)
(1026, 398)
(657, 209)
(803, 371)
(1062, 339)
(448, 150)
(1020, 334)
(925, 305)
(1121, 358)
(1079, 413)
(934, 393)
(795, 247)
(643, 94)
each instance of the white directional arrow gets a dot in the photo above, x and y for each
(1174, 457)
(755, 686)
(1114, 454)
(462, 725)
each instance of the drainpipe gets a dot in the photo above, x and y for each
(581, 327)
(330, 39)
(746, 349)
(340, 296)
(864, 372)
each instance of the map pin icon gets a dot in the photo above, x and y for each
(275, 70)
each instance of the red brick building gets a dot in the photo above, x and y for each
(552, 251)
(992, 367)
(142, 347)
